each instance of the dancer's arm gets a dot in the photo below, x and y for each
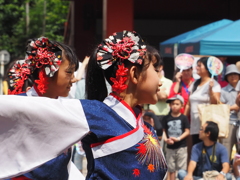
(34, 130)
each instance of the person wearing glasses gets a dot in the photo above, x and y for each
(208, 155)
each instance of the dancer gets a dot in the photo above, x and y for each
(118, 144)
(47, 71)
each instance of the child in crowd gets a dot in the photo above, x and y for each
(117, 143)
(176, 127)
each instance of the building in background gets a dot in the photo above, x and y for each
(89, 21)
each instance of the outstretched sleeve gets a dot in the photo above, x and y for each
(34, 130)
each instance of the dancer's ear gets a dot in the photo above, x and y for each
(134, 74)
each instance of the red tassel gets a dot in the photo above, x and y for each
(42, 82)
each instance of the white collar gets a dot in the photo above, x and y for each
(122, 109)
(32, 92)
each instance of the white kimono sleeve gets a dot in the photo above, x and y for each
(34, 130)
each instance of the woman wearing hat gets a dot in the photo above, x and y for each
(228, 96)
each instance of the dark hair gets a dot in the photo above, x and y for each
(95, 76)
(152, 52)
(95, 81)
(212, 127)
(203, 60)
(67, 52)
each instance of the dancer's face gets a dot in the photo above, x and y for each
(148, 85)
(60, 84)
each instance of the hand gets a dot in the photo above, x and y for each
(238, 100)
(211, 83)
(234, 108)
(169, 141)
(220, 177)
(174, 139)
(178, 76)
(236, 162)
(188, 177)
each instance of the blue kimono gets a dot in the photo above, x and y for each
(117, 143)
(55, 169)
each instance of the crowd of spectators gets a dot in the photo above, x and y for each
(205, 90)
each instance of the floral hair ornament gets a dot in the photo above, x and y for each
(17, 76)
(41, 54)
(119, 47)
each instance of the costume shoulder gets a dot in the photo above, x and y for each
(103, 120)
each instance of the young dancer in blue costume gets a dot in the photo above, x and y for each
(48, 69)
(118, 144)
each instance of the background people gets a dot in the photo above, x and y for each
(221, 77)
(161, 108)
(236, 167)
(203, 91)
(182, 82)
(176, 127)
(228, 96)
(207, 155)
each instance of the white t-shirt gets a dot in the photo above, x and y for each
(199, 96)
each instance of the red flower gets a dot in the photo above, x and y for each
(136, 172)
(44, 40)
(18, 87)
(38, 42)
(142, 149)
(122, 71)
(42, 82)
(123, 48)
(119, 82)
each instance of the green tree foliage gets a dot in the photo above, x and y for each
(11, 13)
(13, 31)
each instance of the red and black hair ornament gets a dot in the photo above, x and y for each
(120, 47)
(41, 54)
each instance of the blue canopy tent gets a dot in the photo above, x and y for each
(223, 42)
(169, 47)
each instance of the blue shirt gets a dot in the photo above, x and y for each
(220, 153)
